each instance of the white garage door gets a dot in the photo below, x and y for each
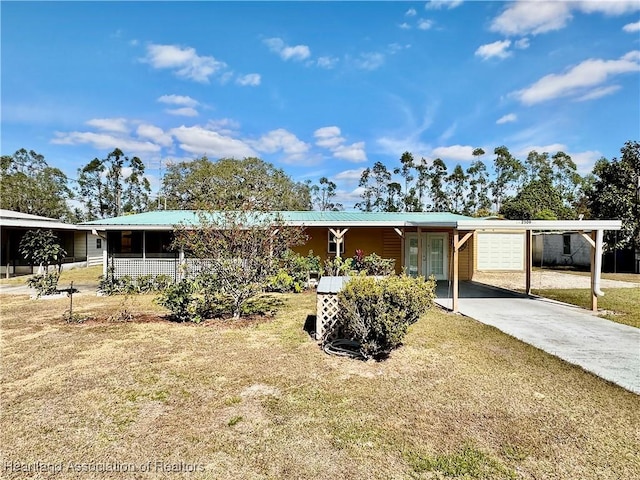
(500, 251)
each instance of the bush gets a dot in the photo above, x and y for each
(127, 285)
(293, 275)
(46, 284)
(338, 267)
(373, 264)
(376, 313)
(184, 301)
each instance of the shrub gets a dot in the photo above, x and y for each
(111, 285)
(283, 282)
(338, 267)
(184, 301)
(46, 284)
(376, 313)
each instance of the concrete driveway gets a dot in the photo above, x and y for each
(607, 349)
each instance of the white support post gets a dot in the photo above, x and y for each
(338, 236)
(105, 260)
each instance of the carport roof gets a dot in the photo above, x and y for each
(168, 219)
(9, 218)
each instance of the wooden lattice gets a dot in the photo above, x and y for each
(327, 311)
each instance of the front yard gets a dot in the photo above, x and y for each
(459, 399)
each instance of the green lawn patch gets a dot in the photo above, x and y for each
(620, 305)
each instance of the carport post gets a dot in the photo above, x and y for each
(528, 258)
(454, 304)
(594, 298)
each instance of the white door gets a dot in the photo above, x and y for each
(434, 255)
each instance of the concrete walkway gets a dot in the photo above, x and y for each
(607, 349)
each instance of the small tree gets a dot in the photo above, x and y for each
(239, 250)
(42, 248)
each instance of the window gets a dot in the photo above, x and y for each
(98, 243)
(566, 244)
(333, 245)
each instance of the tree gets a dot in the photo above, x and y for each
(239, 250)
(323, 195)
(457, 189)
(539, 200)
(615, 194)
(437, 175)
(29, 185)
(379, 193)
(478, 202)
(113, 186)
(410, 199)
(232, 184)
(42, 248)
(508, 171)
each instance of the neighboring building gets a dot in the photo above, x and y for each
(83, 247)
(568, 249)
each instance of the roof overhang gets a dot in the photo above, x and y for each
(540, 225)
(30, 223)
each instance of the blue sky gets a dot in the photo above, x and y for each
(321, 88)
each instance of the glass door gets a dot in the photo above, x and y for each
(437, 252)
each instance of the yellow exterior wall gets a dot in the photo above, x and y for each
(384, 242)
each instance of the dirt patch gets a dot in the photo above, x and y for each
(543, 280)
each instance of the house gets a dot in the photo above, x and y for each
(83, 247)
(570, 249)
(449, 246)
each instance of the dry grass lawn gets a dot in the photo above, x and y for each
(458, 400)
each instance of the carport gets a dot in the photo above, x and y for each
(605, 348)
(591, 230)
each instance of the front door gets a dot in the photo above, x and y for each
(434, 254)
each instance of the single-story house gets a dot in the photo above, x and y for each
(449, 246)
(83, 247)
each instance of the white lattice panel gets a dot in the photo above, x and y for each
(326, 313)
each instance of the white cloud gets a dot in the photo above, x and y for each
(251, 80)
(204, 141)
(579, 79)
(184, 62)
(225, 126)
(632, 27)
(405, 26)
(584, 160)
(352, 153)
(154, 133)
(411, 12)
(282, 140)
(118, 125)
(508, 118)
(286, 52)
(331, 139)
(328, 137)
(609, 7)
(424, 24)
(183, 111)
(454, 152)
(182, 100)
(349, 176)
(370, 61)
(599, 93)
(526, 17)
(497, 49)
(522, 43)
(104, 141)
(327, 62)
(440, 4)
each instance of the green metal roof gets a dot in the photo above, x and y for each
(168, 218)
